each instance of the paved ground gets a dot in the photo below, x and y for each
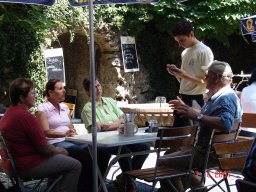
(150, 162)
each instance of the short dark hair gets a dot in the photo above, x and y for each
(86, 84)
(253, 77)
(50, 85)
(19, 87)
(182, 27)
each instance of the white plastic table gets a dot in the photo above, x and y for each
(112, 139)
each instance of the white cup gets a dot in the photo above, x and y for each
(130, 129)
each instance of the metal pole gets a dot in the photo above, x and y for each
(92, 71)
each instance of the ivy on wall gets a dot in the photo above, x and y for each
(25, 31)
(20, 42)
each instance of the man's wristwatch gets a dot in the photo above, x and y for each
(199, 117)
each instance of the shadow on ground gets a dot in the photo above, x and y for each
(141, 187)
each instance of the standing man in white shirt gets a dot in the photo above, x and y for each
(248, 102)
(196, 57)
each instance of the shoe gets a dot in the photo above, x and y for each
(125, 184)
(130, 186)
(120, 182)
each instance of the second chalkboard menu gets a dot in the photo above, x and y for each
(129, 53)
(54, 64)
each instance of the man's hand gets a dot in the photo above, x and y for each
(173, 70)
(175, 102)
(187, 112)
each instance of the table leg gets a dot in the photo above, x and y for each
(113, 161)
(103, 184)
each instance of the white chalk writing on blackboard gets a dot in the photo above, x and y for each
(129, 53)
(54, 63)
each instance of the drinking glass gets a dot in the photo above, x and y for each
(160, 99)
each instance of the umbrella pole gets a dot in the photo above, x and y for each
(92, 71)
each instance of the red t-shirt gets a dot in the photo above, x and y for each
(23, 133)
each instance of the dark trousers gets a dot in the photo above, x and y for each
(57, 165)
(188, 100)
(131, 163)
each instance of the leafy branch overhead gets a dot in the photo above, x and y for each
(25, 30)
(215, 19)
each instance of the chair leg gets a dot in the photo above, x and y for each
(153, 186)
(227, 184)
(53, 184)
(172, 186)
(216, 184)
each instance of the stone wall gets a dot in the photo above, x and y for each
(128, 87)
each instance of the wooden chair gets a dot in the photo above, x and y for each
(70, 101)
(7, 165)
(216, 137)
(245, 186)
(174, 138)
(231, 156)
(71, 107)
(248, 121)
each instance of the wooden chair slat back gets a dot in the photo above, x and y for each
(249, 120)
(177, 131)
(224, 137)
(232, 155)
(220, 137)
(176, 137)
(231, 148)
(175, 144)
(232, 162)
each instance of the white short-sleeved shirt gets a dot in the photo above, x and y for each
(248, 102)
(193, 59)
(58, 121)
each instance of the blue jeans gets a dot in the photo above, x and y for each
(80, 152)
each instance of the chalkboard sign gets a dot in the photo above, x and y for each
(54, 64)
(129, 54)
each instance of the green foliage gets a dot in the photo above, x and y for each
(19, 41)
(215, 20)
(25, 31)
